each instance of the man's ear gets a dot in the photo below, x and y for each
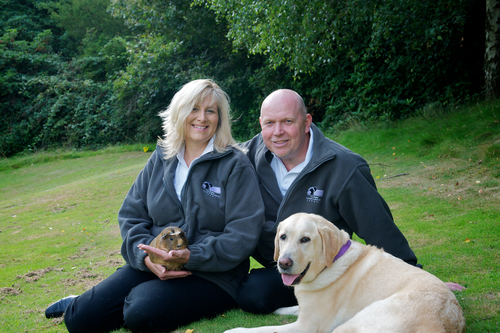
(308, 122)
(260, 121)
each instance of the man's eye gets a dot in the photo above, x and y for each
(305, 239)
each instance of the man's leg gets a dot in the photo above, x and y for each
(100, 309)
(163, 306)
(263, 292)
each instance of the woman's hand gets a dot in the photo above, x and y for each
(178, 256)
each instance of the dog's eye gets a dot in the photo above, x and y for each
(305, 239)
(283, 237)
(171, 238)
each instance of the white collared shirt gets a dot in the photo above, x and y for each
(284, 177)
(182, 170)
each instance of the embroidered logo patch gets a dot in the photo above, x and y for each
(211, 190)
(314, 195)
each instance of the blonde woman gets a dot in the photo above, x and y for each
(196, 180)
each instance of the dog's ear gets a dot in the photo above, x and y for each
(277, 244)
(331, 243)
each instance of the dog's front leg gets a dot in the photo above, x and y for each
(290, 328)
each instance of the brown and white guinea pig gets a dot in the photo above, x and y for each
(171, 238)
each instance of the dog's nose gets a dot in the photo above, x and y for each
(285, 263)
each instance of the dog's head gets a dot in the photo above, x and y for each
(172, 238)
(305, 245)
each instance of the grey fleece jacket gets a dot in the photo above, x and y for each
(221, 212)
(336, 184)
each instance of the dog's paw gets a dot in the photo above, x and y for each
(291, 310)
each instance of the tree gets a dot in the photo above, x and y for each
(357, 58)
(180, 42)
(492, 53)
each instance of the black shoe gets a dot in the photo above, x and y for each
(57, 309)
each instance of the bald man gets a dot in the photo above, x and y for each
(300, 170)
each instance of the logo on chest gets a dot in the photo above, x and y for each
(211, 190)
(314, 195)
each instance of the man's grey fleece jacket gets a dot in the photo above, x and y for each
(336, 184)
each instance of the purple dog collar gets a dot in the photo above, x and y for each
(343, 250)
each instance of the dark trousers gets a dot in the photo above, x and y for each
(141, 302)
(263, 291)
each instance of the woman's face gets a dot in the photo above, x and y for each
(201, 123)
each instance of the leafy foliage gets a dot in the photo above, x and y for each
(358, 59)
(180, 43)
(352, 61)
(44, 100)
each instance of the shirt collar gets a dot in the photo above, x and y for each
(208, 149)
(298, 168)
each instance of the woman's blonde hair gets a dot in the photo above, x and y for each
(174, 117)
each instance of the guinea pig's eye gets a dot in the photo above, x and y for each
(171, 238)
(305, 239)
(283, 237)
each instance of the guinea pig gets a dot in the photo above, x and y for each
(171, 238)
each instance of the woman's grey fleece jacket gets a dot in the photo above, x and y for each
(221, 213)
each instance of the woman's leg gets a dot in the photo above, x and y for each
(100, 309)
(162, 306)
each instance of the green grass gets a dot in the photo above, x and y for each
(59, 232)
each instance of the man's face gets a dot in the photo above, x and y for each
(285, 130)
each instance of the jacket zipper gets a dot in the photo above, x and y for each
(294, 184)
(176, 200)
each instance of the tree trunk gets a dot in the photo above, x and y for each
(492, 53)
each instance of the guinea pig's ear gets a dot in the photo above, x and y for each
(183, 237)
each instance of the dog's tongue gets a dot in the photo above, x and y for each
(289, 278)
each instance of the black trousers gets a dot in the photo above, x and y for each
(141, 302)
(263, 291)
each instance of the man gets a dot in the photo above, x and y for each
(300, 170)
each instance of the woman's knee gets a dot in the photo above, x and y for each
(141, 314)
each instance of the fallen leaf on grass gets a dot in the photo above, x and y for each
(454, 286)
(467, 240)
(189, 331)
(480, 191)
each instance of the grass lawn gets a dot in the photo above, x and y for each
(439, 173)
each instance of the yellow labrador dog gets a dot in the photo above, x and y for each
(344, 286)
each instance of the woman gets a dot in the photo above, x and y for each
(198, 181)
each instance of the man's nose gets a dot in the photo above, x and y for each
(278, 128)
